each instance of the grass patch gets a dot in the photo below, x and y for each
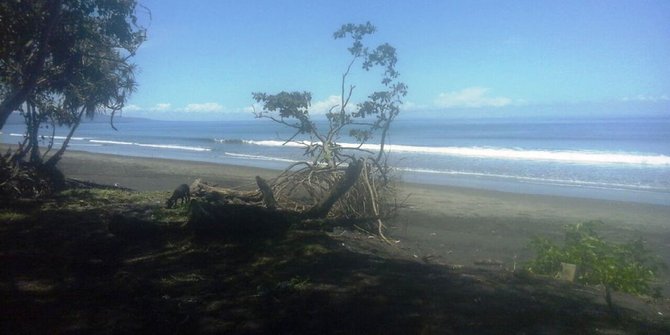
(10, 216)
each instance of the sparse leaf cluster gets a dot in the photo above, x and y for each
(374, 116)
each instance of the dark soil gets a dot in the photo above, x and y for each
(115, 261)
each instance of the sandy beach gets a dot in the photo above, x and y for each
(133, 264)
(446, 225)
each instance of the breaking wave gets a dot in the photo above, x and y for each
(159, 146)
(540, 180)
(259, 157)
(565, 156)
(55, 137)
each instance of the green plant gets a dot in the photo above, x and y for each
(626, 267)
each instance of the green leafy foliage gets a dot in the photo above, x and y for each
(373, 115)
(61, 60)
(67, 54)
(289, 105)
(627, 267)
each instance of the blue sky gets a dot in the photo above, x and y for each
(203, 59)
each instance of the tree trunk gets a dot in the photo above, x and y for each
(348, 180)
(610, 305)
(59, 154)
(268, 197)
(33, 70)
(33, 127)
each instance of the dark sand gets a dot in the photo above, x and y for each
(444, 225)
(448, 272)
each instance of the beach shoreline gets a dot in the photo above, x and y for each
(449, 225)
(162, 174)
(627, 163)
(448, 153)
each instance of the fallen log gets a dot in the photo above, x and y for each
(218, 209)
(200, 188)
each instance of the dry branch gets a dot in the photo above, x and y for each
(266, 190)
(348, 180)
(201, 188)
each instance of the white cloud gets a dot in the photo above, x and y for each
(131, 108)
(207, 107)
(411, 106)
(471, 97)
(323, 106)
(193, 111)
(649, 98)
(161, 107)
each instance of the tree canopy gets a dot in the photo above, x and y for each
(61, 60)
(67, 57)
(374, 114)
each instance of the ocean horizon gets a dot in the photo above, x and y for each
(622, 159)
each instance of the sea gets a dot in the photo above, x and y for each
(618, 159)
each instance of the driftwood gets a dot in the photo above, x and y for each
(200, 188)
(350, 177)
(232, 212)
(265, 195)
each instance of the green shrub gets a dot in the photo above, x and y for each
(626, 267)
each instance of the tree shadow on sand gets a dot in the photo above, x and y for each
(63, 271)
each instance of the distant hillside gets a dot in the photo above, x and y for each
(16, 118)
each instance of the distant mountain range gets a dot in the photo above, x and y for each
(16, 118)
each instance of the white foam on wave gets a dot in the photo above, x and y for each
(566, 156)
(85, 144)
(584, 157)
(271, 143)
(111, 142)
(65, 137)
(548, 181)
(72, 138)
(159, 146)
(257, 157)
(170, 146)
(49, 136)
